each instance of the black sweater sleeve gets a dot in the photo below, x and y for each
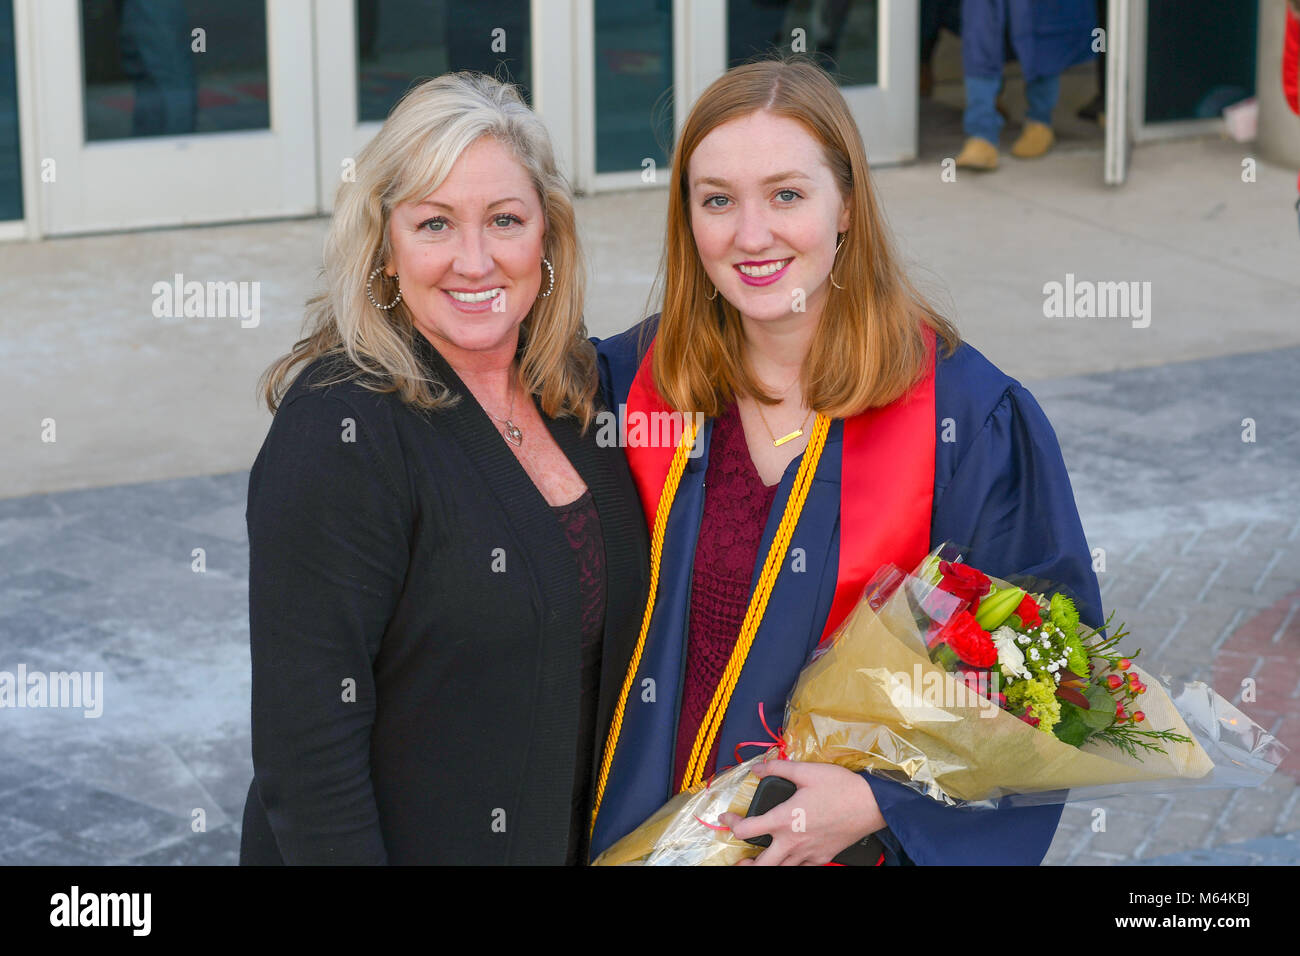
(329, 540)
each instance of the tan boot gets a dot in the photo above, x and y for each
(1035, 140)
(978, 153)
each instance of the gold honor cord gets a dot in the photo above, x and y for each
(656, 554)
(712, 723)
(753, 616)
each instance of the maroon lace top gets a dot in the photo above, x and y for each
(736, 505)
(581, 526)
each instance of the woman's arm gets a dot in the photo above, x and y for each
(328, 534)
(1011, 502)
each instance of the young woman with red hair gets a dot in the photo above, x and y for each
(845, 426)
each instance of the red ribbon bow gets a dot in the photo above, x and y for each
(776, 738)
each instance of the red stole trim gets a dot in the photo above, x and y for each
(886, 481)
(886, 490)
(649, 463)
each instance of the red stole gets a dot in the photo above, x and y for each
(886, 481)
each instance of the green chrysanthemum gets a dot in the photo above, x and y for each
(1077, 660)
(1063, 613)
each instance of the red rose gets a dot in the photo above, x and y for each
(1028, 612)
(970, 642)
(964, 581)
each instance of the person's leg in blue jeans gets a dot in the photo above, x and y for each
(981, 122)
(983, 52)
(981, 117)
(1042, 94)
(1037, 137)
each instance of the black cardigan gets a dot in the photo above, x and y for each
(419, 564)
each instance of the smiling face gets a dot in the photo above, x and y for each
(469, 256)
(765, 213)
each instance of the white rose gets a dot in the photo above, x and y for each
(1010, 657)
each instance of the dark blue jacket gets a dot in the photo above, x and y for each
(1000, 489)
(1046, 36)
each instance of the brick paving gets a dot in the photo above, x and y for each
(1200, 531)
(1203, 567)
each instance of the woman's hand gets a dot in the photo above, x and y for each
(832, 808)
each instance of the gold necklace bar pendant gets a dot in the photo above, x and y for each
(777, 443)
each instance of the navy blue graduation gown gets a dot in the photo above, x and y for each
(1000, 489)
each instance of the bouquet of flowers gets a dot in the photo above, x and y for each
(971, 689)
(1033, 657)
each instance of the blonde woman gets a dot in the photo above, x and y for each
(840, 409)
(442, 558)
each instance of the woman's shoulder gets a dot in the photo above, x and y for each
(619, 357)
(988, 422)
(333, 434)
(979, 406)
(630, 346)
(333, 403)
(333, 379)
(967, 380)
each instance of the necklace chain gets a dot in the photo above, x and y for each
(512, 433)
(797, 433)
(778, 442)
(509, 414)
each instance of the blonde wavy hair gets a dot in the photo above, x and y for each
(409, 158)
(869, 347)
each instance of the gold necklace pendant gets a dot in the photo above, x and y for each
(778, 442)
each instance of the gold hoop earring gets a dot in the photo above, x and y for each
(715, 292)
(837, 252)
